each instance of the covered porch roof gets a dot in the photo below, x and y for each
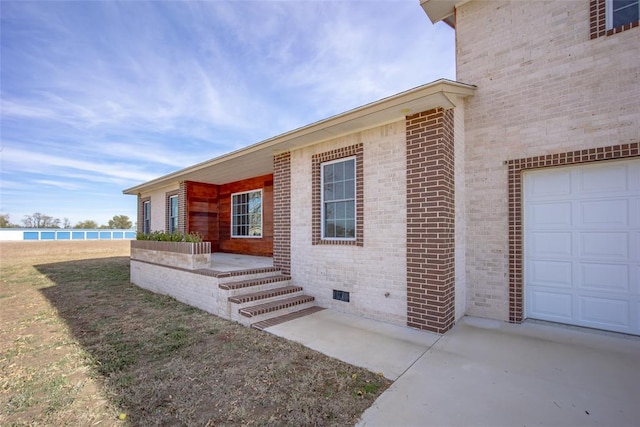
(257, 159)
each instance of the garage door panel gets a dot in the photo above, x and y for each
(604, 313)
(556, 183)
(592, 180)
(550, 244)
(582, 248)
(603, 245)
(604, 277)
(551, 215)
(551, 305)
(556, 273)
(604, 212)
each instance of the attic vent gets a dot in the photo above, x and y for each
(341, 295)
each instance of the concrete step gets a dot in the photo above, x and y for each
(285, 318)
(268, 310)
(252, 285)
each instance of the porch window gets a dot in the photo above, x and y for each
(146, 217)
(622, 12)
(246, 214)
(339, 199)
(173, 214)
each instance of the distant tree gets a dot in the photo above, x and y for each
(120, 221)
(66, 223)
(38, 220)
(5, 222)
(86, 224)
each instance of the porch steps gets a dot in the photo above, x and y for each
(253, 285)
(268, 310)
(285, 318)
(257, 299)
(263, 295)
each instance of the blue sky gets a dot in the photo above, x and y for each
(97, 97)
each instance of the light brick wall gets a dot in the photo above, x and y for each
(159, 206)
(190, 288)
(460, 214)
(379, 265)
(544, 87)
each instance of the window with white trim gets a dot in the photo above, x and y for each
(622, 12)
(246, 214)
(173, 214)
(146, 217)
(338, 183)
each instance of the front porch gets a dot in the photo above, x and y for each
(225, 262)
(247, 289)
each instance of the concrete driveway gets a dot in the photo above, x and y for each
(489, 373)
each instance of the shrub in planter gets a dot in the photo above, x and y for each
(165, 236)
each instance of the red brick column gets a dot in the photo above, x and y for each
(430, 221)
(282, 212)
(183, 213)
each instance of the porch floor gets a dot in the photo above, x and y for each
(236, 262)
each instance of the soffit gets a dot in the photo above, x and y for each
(257, 159)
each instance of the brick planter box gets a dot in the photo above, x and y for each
(190, 256)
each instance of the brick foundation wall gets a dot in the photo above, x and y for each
(430, 221)
(282, 212)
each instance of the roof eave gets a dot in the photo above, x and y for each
(441, 93)
(441, 10)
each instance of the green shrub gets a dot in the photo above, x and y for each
(165, 236)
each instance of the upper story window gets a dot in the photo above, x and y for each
(622, 12)
(613, 16)
(173, 213)
(146, 217)
(246, 214)
(339, 199)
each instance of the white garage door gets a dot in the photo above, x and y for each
(582, 245)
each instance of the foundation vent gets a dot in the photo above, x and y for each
(341, 295)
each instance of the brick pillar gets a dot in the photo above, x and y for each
(282, 212)
(430, 221)
(139, 224)
(183, 213)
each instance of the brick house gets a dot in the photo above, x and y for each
(514, 194)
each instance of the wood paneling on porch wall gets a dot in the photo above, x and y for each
(252, 246)
(202, 211)
(209, 214)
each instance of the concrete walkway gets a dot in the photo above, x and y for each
(376, 346)
(484, 372)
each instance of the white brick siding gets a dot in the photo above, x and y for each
(543, 87)
(159, 207)
(190, 288)
(378, 267)
(460, 201)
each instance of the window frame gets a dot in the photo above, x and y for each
(232, 216)
(171, 218)
(323, 235)
(146, 217)
(609, 15)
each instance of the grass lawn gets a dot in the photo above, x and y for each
(80, 345)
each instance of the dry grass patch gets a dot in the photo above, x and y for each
(80, 345)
